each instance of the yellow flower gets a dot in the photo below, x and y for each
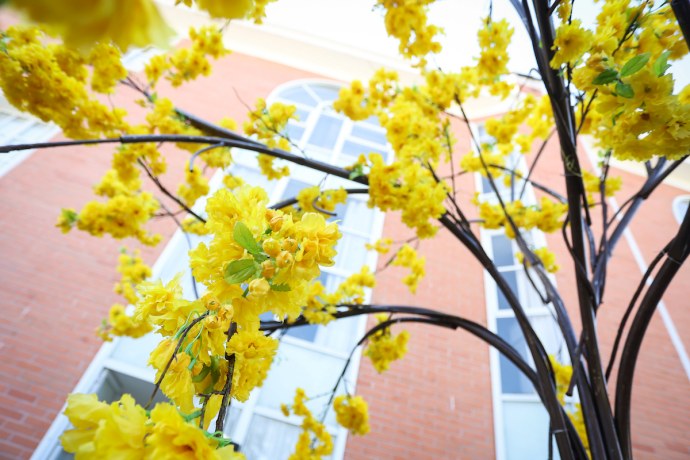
(571, 42)
(352, 413)
(384, 347)
(173, 438)
(233, 9)
(84, 23)
(254, 354)
(105, 431)
(306, 449)
(407, 257)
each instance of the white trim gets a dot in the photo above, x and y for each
(679, 206)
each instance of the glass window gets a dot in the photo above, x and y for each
(511, 279)
(512, 379)
(326, 131)
(503, 250)
(327, 93)
(377, 136)
(300, 95)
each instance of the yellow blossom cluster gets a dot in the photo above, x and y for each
(81, 25)
(571, 42)
(562, 374)
(382, 246)
(119, 323)
(593, 186)
(107, 67)
(193, 350)
(122, 216)
(409, 187)
(49, 82)
(358, 104)
(133, 270)
(546, 257)
(194, 226)
(352, 413)
(268, 124)
(320, 305)
(546, 216)
(313, 199)
(124, 429)
(407, 257)
(407, 21)
(195, 186)
(494, 39)
(629, 103)
(236, 9)
(254, 354)
(259, 259)
(306, 449)
(384, 347)
(188, 63)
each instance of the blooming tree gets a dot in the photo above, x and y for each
(610, 82)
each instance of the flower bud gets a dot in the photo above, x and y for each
(284, 259)
(259, 287)
(289, 244)
(268, 269)
(271, 247)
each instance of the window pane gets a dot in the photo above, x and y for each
(294, 132)
(351, 253)
(307, 332)
(298, 366)
(293, 188)
(326, 131)
(486, 185)
(370, 135)
(252, 176)
(298, 94)
(526, 430)
(511, 279)
(503, 250)
(327, 93)
(269, 439)
(512, 380)
(302, 115)
(358, 216)
(354, 149)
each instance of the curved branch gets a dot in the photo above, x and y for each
(677, 254)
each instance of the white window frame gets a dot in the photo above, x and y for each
(492, 308)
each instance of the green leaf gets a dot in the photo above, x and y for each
(192, 416)
(635, 64)
(202, 375)
(281, 287)
(356, 172)
(261, 257)
(243, 236)
(239, 271)
(624, 90)
(661, 65)
(605, 77)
